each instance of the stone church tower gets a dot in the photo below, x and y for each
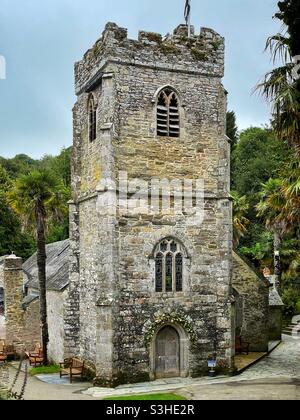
(149, 293)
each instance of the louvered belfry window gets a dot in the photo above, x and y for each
(168, 121)
(92, 110)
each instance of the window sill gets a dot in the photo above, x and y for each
(168, 294)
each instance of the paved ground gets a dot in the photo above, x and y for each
(38, 390)
(277, 377)
(265, 389)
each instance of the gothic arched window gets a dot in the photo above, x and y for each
(169, 266)
(168, 121)
(92, 111)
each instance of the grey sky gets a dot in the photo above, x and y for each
(42, 40)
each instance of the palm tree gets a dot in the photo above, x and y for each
(240, 221)
(281, 86)
(32, 198)
(291, 191)
(270, 207)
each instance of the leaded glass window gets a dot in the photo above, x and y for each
(159, 272)
(173, 246)
(178, 260)
(168, 122)
(169, 266)
(169, 272)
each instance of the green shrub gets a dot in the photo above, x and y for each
(291, 300)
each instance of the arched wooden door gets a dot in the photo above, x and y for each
(167, 353)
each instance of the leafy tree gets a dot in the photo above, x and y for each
(257, 157)
(35, 198)
(291, 190)
(240, 222)
(11, 236)
(280, 199)
(261, 251)
(270, 207)
(10, 169)
(12, 239)
(291, 300)
(19, 165)
(60, 165)
(5, 181)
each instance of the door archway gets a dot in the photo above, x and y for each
(167, 353)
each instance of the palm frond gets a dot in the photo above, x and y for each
(279, 46)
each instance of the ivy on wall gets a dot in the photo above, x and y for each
(151, 327)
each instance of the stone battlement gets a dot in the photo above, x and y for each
(203, 53)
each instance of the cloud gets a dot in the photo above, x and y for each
(41, 42)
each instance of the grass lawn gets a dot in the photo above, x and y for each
(148, 397)
(44, 370)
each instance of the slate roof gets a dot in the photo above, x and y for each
(28, 300)
(57, 267)
(274, 298)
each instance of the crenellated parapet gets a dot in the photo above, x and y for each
(198, 54)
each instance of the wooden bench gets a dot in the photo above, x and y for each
(36, 359)
(10, 351)
(35, 352)
(35, 356)
(3, 355)
(7, 350)
(241, 346)
(72, 367)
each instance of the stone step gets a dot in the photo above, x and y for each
(292, 327)
(295, 337)
(291, 332)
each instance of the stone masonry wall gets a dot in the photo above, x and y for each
(13, 286)
(254, 292)
(1, 275)
(275, 323)
(72, 301)
(32, 330)
(119, 310)
(22, 326)
(55, 312)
